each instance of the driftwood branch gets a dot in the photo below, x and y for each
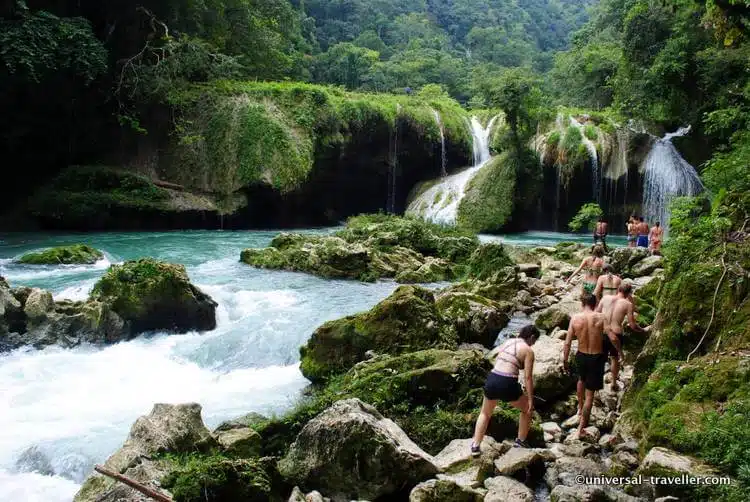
(149, 492)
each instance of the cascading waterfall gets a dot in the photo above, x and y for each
(439, 204)
(667, 175)
(393, 165)
(443, 159)
(593, 155)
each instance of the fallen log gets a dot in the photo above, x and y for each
(167, 184)
(149, 492)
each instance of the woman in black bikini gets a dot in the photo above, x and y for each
(502, 385)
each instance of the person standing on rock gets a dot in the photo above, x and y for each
(616, 309)
(592, 265)
(632, 232)
(502, 385)
(600, 233)
(654, 238)
(642, 229)
(587, 327)
(607, 283)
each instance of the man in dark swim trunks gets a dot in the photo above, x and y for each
(588, 327)
(642, 226)
(616, 309)
(600, 233)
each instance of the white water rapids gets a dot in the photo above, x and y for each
(440, 202)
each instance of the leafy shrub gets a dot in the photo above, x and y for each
(586, 218)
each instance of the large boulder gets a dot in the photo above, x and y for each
(663, 462)
(407, 320)
(175, 429)
(351, 451)
(150, 295)
(444, 490)
(63, 255)
(12, 318)
(487, 259)
(505, 489)
(500, 285)
(647, 266)
(476, 319)
(432, 270)
(624, 259)
(38, 305)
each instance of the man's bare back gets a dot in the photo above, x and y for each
(588, 328)
(615, 309)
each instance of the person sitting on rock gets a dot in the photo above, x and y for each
(654, 239)
(593, 267)
(588, 327)
(502, 385)
(616, 309)
(607, 283)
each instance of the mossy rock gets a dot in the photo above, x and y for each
(487, 260)
(219, 479)
(490, 195)
(476, 319)
(405, 321)
(152, 295)
(63, 255)
(433, 270)
(500, 285)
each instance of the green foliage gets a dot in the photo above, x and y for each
(217, 478)
(586, 218)
(590, 132)
(76, 253)
(488, 203)
(38, 46)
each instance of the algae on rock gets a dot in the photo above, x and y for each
(63, 255)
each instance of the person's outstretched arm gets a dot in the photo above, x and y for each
(528, 368)
(631, 320)
(577, 270)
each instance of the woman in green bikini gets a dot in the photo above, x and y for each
(607, 283)
(592, 265)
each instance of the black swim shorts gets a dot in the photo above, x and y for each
(591, 370)
(609, 347)
(502, 388)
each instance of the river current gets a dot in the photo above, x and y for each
(63, 410)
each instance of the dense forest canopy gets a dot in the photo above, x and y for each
(82, 77)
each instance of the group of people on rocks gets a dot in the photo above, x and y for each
(640, 235)
(606, 303)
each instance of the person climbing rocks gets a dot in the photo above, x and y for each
(607, 283)
(655, 237)
(502, 385)
(616, 309)
(642, 230)
(592, 265)
(600, 233)
(632, 231)
(588, 327)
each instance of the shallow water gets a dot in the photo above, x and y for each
(65, 410)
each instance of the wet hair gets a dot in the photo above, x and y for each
(588, 300)
(528, 333)
(601, 218)
(608, 269)
(657, 223)
(597, 251)
(640, 218)
(625, 288)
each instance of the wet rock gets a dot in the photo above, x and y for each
(443, 490)
(150, 295)
(517, 459)
(550, 381)
(630, 446)
(176, 429)
(432, 270)
(553, 429)
(38, 305)
(241, 442)
(571, 467)
(626, 458)
(475, 318)
(242, 422)
(33, 459)
(555, 316)
(664, 462)
(351, 449)
(578, 493)
(457, 455)
(577, 448)
(623, 259)
(608, 441)
(505, 489)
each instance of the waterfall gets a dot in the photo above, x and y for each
(439, 203)
(393, 165)
(443, 159)
(667, 175)
(595, 175)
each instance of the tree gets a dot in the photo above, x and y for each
(345, 64)
(586, 218)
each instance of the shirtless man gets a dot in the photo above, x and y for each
(615, 309)
(600, 233)
(588, 327)
(607, 283)
(642, 231)
(655, 237)
(632, 232)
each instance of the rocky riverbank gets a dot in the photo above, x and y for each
(395, 395)
(130, 299)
